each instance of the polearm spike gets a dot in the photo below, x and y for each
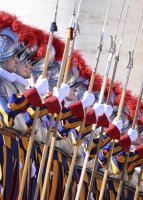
(31, 140)
(117, 56)
(111, 53)
(56, 127)
(82, 124)
(99, 50)
(129, 67)
(68, 64)
(110, 56)
(108, 102)
(53, 28)
(55, 16)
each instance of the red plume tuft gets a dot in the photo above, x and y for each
(131, 104)
(140, 120)
(6, 19)
(17, 26)
(42, 37)
(107, 87)
(83, 68)
(29, 38)
(41, 52)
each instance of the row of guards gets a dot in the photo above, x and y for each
(66, 132)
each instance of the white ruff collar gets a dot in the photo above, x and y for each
(7, 75)
(21, 80)
(12, 77)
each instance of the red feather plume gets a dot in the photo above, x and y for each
(6, 19)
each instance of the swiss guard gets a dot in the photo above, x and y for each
(22, 53)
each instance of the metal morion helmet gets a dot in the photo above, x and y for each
(37, 68)
(53, 75)
(9, 45)
(26, 53)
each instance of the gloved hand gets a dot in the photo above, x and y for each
(87, 100)
(108, 110)
(61, 92)
(42, 86)
(133, 134)
(99, 109)
(118, 124)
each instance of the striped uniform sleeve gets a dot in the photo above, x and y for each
(28, 101)
(135, 159)
(18, 103)
(110, 133)
(118, 159)
(51, 105)
(119, 153)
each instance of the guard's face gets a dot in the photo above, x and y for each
(28, 69)
(21, 69)
(73, 94)
(24, 70)
(12, 64)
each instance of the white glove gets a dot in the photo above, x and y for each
(61, 92)
(66, 89)
(7, 75)
(108, 110)
(133, 134)
(42, 86)
(118, 124)
(87, 99)
(99, 109)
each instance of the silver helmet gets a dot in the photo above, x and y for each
(37, 68)
(53, 74)
(9, 45)
(26, 52)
